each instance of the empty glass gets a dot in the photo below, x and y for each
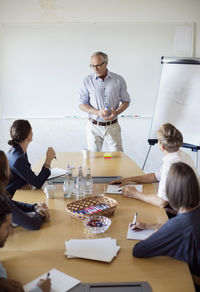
(99, 189)
(49, 191)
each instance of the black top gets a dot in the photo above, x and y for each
(21, 172)
(21, 215)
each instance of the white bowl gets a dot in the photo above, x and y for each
(105, 223)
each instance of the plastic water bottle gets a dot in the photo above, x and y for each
(106, 106)
(68, 185)
(80, 184)
(88, 182)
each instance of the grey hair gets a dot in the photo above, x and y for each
(103, 56)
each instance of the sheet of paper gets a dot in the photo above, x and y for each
(115, 189)
(117, 248)
(103, 249)
(139, 235)
(60, 282)
(67, 245)
(55, 172)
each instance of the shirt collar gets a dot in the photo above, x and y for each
(19, 149)
(166, 157)
(109, 75)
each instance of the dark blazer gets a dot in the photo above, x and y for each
(21, 214)
(21, 172)
(178, 238)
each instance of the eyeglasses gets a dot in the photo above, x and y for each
(97, 66)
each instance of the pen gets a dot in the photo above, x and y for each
(48, 274)
(135, 218)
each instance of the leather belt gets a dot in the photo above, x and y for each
(102, 123)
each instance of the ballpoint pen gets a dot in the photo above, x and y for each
(135, 218)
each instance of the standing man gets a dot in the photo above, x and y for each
(104, 96)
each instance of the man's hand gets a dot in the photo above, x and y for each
(120, 181)
(103, 113)
(112, 116)
(7, 285)
(129, 191)
(45, 285)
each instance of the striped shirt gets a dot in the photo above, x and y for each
(100, 94)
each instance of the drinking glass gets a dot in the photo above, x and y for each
(99, 189)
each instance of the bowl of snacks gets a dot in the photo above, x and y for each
(97, 223)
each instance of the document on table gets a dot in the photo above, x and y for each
(115, 189)
(56, 172)
(102, 249)
(139, 235)
(60, 282)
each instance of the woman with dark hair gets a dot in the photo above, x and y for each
(180, 236)
(21, 211)
(21, 172)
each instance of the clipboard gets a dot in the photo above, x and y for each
(113, 287)
(96, 179)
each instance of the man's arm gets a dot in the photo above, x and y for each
(91, 110)
(153, 199)
(88, 109)
(122, 107)
(119, 110)
(145, 178)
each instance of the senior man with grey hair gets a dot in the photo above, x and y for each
(104, 96)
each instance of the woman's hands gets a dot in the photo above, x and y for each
(50, 155)
(42, 209)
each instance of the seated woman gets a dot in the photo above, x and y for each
(21, 172)
(20, 210)
(180, 236)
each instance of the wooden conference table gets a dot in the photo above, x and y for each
(28, 254)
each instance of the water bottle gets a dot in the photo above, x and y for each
(88, 182)
(107, 108)
(68, 185)
(80, 184)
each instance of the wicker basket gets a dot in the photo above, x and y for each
(73, 207)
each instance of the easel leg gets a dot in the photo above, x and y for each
(146, 157)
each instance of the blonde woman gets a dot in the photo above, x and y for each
(170, 140)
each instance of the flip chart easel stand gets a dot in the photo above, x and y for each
(193, 148)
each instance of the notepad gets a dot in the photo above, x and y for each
(60, 282)
(139, 235)
(115, 189)
(102, 249)
(56, 172)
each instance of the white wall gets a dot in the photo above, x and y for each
(69, 134)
